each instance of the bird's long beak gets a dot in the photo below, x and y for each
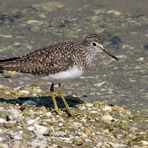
(104, 50)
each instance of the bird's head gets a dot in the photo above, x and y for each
(95, 42)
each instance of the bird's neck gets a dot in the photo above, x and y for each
(89, 57)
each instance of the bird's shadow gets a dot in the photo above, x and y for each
(45, 101)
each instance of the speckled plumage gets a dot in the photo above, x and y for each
(55, 58)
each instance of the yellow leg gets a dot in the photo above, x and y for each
(71, 112)
(56, 109)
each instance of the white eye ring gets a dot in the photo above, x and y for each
(93, 44)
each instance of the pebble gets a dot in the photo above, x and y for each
(14, 114)
(2, 120)
(107, 108)
(144, 142)
(39, 129)
(17, 136)
(24, 92)
(141, 59)
(77, 124)
(60, 124)
(82, 107)
(100, 84)
(88, 140)
(30, 102)
(93, 111)
(78, 142)
(89, 104)
(1, 139)
(48, 114)
(117, 145)
(32, 121)
(107, 118)
(59, 133)
(34, 22)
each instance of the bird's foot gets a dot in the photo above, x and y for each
(57, 111)
(71, 112)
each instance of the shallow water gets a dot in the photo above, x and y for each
(28, 25)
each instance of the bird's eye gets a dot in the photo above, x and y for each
(94, 44)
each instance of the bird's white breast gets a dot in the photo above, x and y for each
(71, 73)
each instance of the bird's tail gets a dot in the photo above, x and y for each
(5, 62)
(1, 69)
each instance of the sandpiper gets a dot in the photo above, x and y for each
(58, 62)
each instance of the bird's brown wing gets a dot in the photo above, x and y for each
(41, 62)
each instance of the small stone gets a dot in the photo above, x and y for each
(59, 133)
(48, 114)
(2, 120)
(117, 145)
(5, 36)
(88, 140)
(39, 129)
(100, 84)
(32, 121)
(24, 92)
(1, 139)
(31, 128)
(34, 22)
(17, 44)
(82, 107)
(60, 124)
(144, 142)
(107, 108)
(115, 12)
(78, 142)
(141, 59)
(17, 137)
(89, 104)
(93, 111)
(107, 118)
(15, 114)
(42, 15)
(77, 125)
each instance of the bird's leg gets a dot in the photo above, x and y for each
(56, 109)
(71, 112)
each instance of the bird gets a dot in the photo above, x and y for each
(58, 62)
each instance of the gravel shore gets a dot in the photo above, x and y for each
(31, 122)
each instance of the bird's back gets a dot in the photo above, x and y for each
(44, 61)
